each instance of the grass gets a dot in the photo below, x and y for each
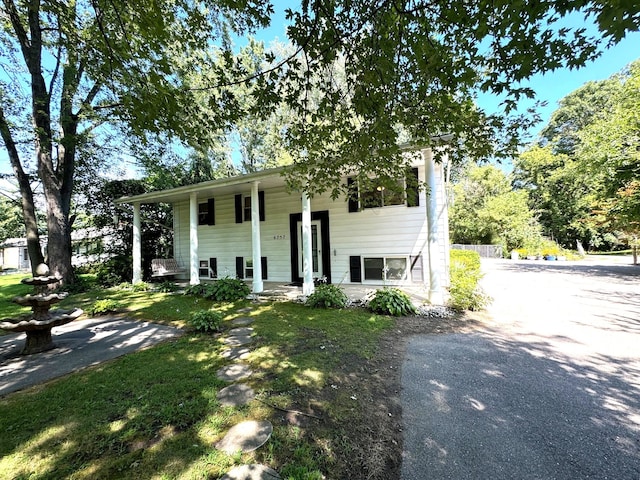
(11, 287)
(154, 413)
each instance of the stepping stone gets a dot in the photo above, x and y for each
(234, 372)
(240, 332)
(254, 471)
(236, 341)
(235, 395)
(236, 353)
(242, 321)
(245, 437)
(244, 310)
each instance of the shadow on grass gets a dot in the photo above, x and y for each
(155, 413)
(133, 417)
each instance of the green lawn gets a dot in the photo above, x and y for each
(154, 413)
(11, 287)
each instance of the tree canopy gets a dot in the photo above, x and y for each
(363, 75)
(486, 210)
(584, 173)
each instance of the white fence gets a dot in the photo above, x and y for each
(485, 251)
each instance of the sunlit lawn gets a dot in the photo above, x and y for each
(154, 413)
(11, 287)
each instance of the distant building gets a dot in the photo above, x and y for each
(87, 245)
(14, 255)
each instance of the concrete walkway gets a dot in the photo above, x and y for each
(550, 389)
(79, 345)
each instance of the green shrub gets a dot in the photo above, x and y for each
(465, 275)
(222, 290)
(115, 271)
(327, 296)
(140, 287)
(198, 290)
(229, 290)
(392, 301)
(206, 321)
(167, 287)
(81, 284)
(104, 306)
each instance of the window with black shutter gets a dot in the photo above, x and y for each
(243, 207)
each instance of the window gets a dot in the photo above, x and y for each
(203, 269)
(247, 209)
(203, 213)
(380, 196)
(385, 268)
(243, 207)
(206, 213)
(406, 192)
(244, 267)
(208, 268)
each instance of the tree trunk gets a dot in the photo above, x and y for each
(26, 194)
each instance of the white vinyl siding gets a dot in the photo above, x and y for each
(391, 231)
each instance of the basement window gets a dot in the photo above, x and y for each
(385, 268)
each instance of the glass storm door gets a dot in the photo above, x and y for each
(316, 249)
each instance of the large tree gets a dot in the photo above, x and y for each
(583, 174)
(414, 68)
(71, 67)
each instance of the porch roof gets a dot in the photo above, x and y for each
(230, 185)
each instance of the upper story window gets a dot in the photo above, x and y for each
(206, 213)
(375, 195)
(381, 196)
(247, 208)
(243, 207)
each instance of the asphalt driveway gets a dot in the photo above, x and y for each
(550, 389)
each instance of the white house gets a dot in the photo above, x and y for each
(251, 227)
(14, 255)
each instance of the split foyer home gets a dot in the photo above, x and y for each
(252, 227)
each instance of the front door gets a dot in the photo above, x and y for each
(316, 249)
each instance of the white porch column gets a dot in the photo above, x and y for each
(258, 286)
(436, 295)
(194, 276)
(137, 245)
(307, 257)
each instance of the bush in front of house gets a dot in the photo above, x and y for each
(327, 296)
(167, 287)
(115, 271)
(206, 321)
(104, 306)
(222, 290)
(465, 275)
(392, 301)
(229, 289)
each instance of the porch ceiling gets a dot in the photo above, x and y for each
(233, 185)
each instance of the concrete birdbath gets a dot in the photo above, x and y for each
(38, 324)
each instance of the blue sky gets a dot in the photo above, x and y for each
(550, 87)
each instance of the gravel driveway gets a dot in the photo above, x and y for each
(549, 389)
